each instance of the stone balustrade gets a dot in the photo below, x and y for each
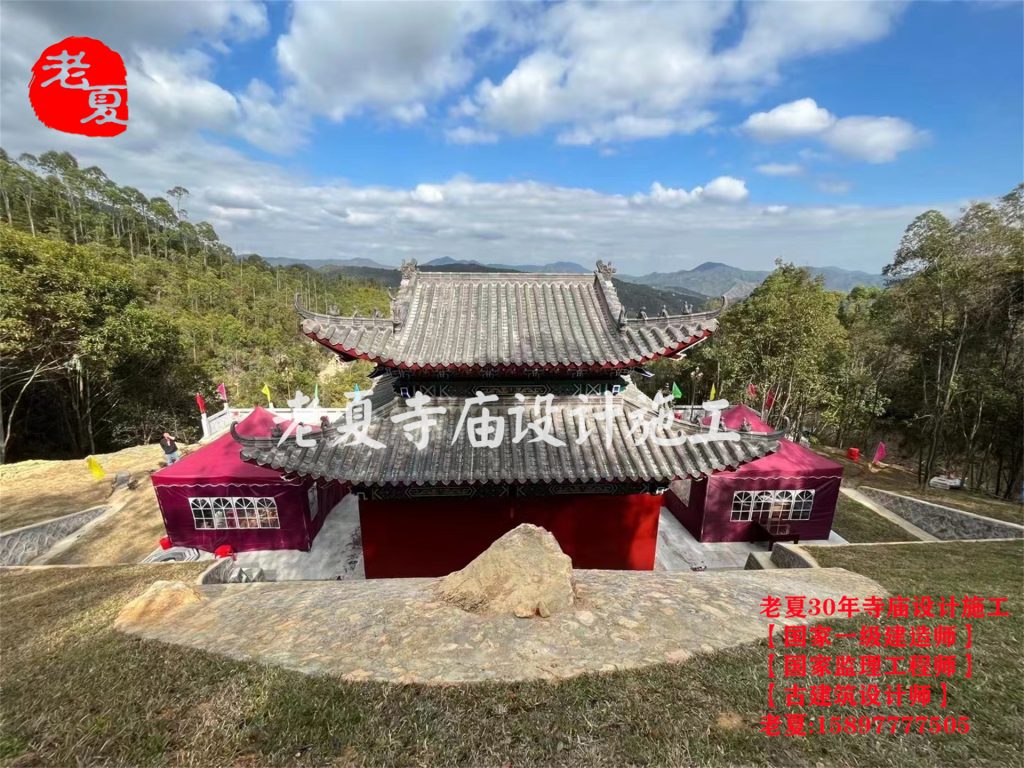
(23, 545)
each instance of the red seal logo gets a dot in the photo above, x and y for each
(79, 85)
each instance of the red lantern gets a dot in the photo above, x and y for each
(853, 454)
(224, 550)
(165, 542)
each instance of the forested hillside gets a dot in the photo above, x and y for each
(116, 309)
(933, 363)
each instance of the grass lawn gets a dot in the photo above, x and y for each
(860, 525)
(893, 477)
(74, 692)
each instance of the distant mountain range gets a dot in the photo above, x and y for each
(715, 279)
(686, 285)
(561, 267)
(633, 296)
(444, 261)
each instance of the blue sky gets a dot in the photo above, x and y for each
(952, 68)
(659, 135)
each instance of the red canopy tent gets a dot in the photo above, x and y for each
(211, 497)
(738, 504)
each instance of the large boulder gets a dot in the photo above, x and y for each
(524, 573)
(159, 600)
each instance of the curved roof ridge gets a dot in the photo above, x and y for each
(455, 320)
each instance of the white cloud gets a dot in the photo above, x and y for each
(797, 119)
(229, 197)
(407, 114)
(596, 74)
(428, 193)
(262, 208)
(724, 189)
(596, 67)
(267, 208)
(173, 92)
(631, 127)
(269, 123)
(780, 169)
(463, 134)
(170, 51)
(873, 139)
(834, 186)
(129, 26)
(345, 58)
(778, 32)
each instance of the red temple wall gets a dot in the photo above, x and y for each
(689, 512)
(433, 537)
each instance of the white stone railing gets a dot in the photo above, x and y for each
(215, 424)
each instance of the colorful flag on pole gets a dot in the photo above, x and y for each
(879, 453)
(200, 402)
(316, 392)
(222, 392)
(712, 392)
(676, 391)
(95, 468)
(266, 391)
(752, 391)
(769, 399)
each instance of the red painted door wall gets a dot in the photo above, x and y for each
(433, 537)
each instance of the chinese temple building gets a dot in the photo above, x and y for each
(426, 510)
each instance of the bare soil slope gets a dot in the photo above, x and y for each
(34, 491)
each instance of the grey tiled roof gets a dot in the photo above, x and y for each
(445, 463)
(514, 320)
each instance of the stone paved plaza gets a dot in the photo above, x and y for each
(396, 630)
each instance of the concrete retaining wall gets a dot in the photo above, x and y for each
(218, 572)
(22, 545)
(942, 522)
(792, 556)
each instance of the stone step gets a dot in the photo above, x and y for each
(239, 575)
(759, 561)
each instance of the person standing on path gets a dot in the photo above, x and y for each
(170, 448)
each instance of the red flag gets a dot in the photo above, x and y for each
(752, 391)
(200, 402)
(879, 453)
(222, 392)
(769, 399)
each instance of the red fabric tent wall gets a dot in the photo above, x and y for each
(217, 469)
(792, 467)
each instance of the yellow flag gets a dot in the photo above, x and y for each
(95, 468)
(712, 391)
(266, 391)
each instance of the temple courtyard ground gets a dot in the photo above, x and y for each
(75, 692)
(397, 630)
